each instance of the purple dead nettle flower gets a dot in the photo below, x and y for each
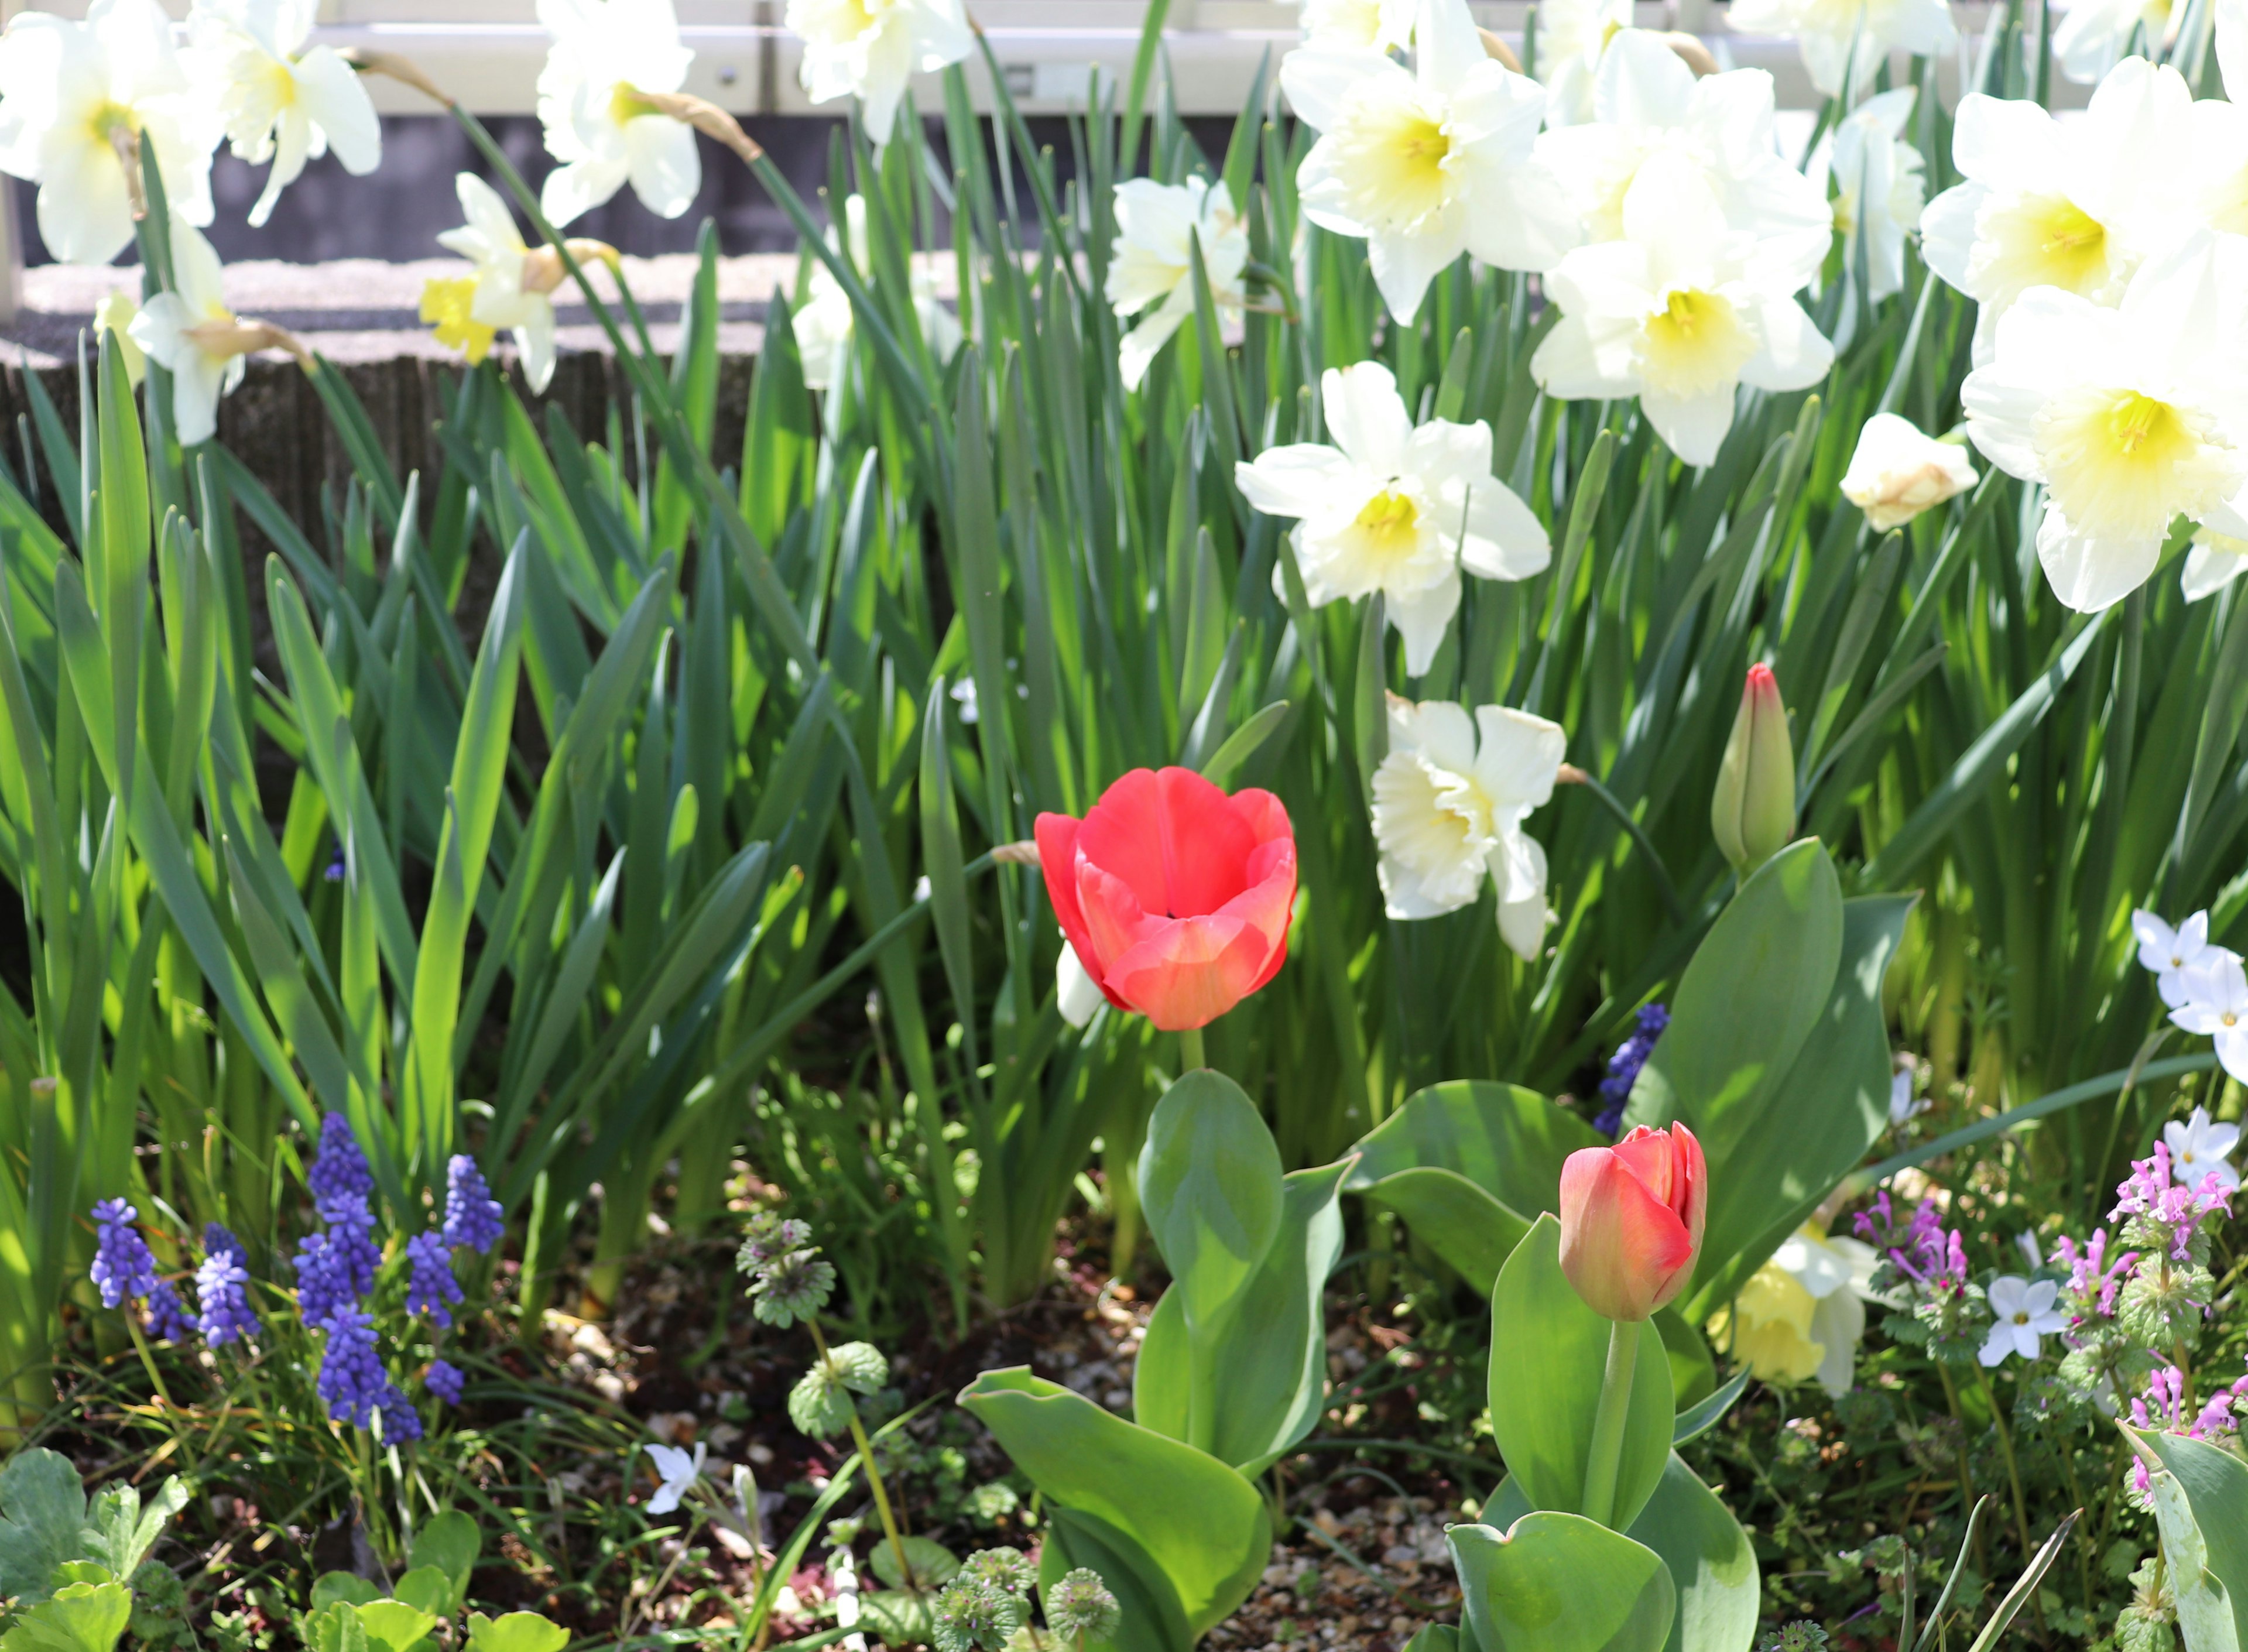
(445, 1380)
(223, 1289)
(430, 1286)
(1623, 1067)
(473, 1217)
(123, 1265)
(2167, 1406)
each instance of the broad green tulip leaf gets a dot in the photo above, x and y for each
(347, 1587)
(1203, 1527)
(1150, 1618)
(1707, 1553)
(428, 1588)
(1434, 1637)
(1211, 1187)
(2201, 1503)
(1751, 995)
(41, 1521)
(1273, 1351)
(1698, 1419)
(1693, 1370)
(79, 1617)
(120, 1530)
(1818, 1127)
(1561, 1583)
(394, 1624)
(1468, 1165)
(516, 1632)
(1548, 1353)
(450, 1541)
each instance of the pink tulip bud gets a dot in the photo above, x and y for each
(1752, 812)
(1176, 896)
(1631, 1220)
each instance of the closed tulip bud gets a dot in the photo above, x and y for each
(1752, 813)
(1631, 1220)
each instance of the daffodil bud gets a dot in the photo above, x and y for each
(1753, 810)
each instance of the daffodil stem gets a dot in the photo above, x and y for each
(873, 1474)
(1606, 1457)
(1191, 1056)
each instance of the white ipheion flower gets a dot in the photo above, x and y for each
(76, 98)
(2022, 1312)
(1681, 313)
(1427, 163)
(278, 98)
(1394, 509)
(1879, 187)
(1573, 36)
(514, 283)
(2130, 417)
(2199, 1147)
(1450, 800)
(2168, 953)
(2215, 993)
(606, 55)
(193, 336)
(1156, 226)
(869, 49)
(1846, 41)
(1896, 472)
(678, 1470)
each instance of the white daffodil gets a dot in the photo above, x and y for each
(1077, 992)
(2131, 417)
(1846, 41)
(77, 100)
(1359, 25)
(1394, 509)
(2022, 1312)
(2217, 162)
(1648, 103)
(2199, 1147)
(275, 98)
(1896, 472)
(1573, 36)
(2092, 36)
(2168, 953)
(2215, 993)
(1156, 226)
(2216, 560)
(192, 334)
(1427, 163)
(1879, 187)
(606, 55)
(1802, 1314)
(1680, 312)
(1448, 803)
(114, 315)
(869, 49)
(677, 1469)
(514, 283)
(2075, 206)
(822, 325)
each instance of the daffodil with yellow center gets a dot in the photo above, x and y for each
(193, 336)
(278, 98)
(1802, 1315)
(447, 305)
(1843, 41)
(869, 49)
(2128, 416)
(512, 284)
(601, 103)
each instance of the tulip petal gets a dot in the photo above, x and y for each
(1057, 838)
(1625, 1252)
(1172, 837)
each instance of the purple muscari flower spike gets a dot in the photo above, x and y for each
(122, 1264)
(473, 1217)
(168, 1320)
(352, 1379)
(222, 1291)
(445, 1380)
(1623, 1067)
(400, 1422)
(217, 1241)
(431, 1285)
(338, 1174)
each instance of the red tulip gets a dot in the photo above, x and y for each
(1174, 895)
(1631, 1220)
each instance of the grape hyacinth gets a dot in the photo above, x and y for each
(216, 1239)
(358, 1390)
(168, 1320)
(445, 1380)
(340, 1173)
(222, 1294)
(430, 1286)
(473, 1217)
(1623, 1067)
(336, 1269)
(123, 1265)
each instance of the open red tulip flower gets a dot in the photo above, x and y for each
(1631, 1220)
(1175, 894)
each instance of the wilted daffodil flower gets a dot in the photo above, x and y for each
(1395, 508)
(1752, 810)
(1427, 163)
(1845, 41)
(278, 99)
(608, 56)
(869, 49)
(512, 283)
(2130, 417)
(1896, 472)
(77, 100)
(1448, 809)
(1681, 313)
(193, 336)
(1157, 227)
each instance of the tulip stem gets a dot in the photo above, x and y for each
(1190, 1050)
(1606, 1453)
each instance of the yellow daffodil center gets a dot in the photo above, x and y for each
(1768, 1326)
(1394, 161)
(111, 120)
(2120, 463)
(447, 304)
(625, 103)
(1390, 526)
(1695, 344)
(2041, 241)
(1434, 823)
